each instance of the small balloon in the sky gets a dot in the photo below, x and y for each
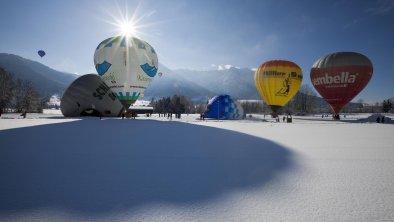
(160, 74)
(41, 53)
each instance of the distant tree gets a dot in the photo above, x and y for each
(33, 99)
(200, 108)
(303, 102)
(387, 105)
(360, 105)
(19, 95)
(26, 97)
(46, 102)
(253, 107)
(188, 105)
(17, 99)
(6, 86)
(175, 104)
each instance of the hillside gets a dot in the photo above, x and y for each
(46, 80)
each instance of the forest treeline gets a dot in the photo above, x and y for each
(303, 103)
(18, 95)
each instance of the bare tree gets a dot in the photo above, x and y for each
(360, 105)
(253, 107)
(387, 105)
(303, 102)
(19, 95)
(176, 104)
(26, 97)
(6, 85)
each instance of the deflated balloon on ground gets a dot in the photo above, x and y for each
(223, 107)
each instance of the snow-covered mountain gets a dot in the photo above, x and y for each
(201, 85)
(46, 80)
(175, 83)
(236, 82)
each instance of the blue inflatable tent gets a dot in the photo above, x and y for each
(223, 107)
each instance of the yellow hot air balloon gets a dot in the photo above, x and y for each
(277, 82)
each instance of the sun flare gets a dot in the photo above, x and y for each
(128, 22)
(127, 28)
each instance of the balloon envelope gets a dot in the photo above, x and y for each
(127, 65)
(277, 82)
(89, 95)
(340, 76)
(41, 53)
(223, 107)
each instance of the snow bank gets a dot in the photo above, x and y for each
(375, 117)
(52, 111)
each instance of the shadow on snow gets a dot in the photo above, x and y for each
(93, 166)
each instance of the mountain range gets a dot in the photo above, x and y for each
(197, 85)
(202, 85)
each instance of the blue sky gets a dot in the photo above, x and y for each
(196, 34)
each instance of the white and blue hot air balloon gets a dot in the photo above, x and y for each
(223, 107)
(127, 65)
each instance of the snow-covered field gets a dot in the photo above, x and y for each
(156, 169)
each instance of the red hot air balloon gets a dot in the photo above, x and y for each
(340, 76)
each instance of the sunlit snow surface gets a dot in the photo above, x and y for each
(156, 169)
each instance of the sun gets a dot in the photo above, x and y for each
(130, 23)
(127, 28)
